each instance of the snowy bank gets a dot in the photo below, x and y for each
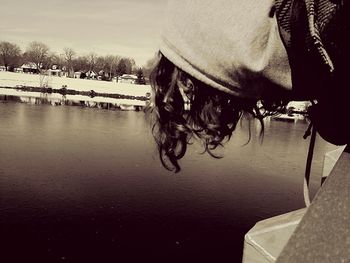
(10, 79)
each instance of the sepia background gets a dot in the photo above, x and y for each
(80, 178)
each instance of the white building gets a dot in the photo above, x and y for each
(127, 78)
(29, 67)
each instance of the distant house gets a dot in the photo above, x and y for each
(301, 106)
(102, 75)
(30, 67)
(127, 78)
(55, 71)
(91, 74)
(78, 74)
(18, 70)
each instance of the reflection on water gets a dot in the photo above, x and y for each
(98, 100)
(81, 185)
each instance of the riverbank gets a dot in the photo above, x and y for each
(10, 79)
(41, 89)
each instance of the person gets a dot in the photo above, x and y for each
(221, 59)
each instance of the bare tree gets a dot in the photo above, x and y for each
(9, 54)
(100, 63)
(92, 60)
(140, 77)
(125, 66)
(52, 59)
(121, 67)
(111, 63)
(69, 55)
(109, 60)
(81, 63)
(37, 53)
(133, 67)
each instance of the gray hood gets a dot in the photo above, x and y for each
(224, 42)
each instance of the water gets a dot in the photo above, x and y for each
(85, 185)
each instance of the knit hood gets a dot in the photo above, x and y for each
(224, 43)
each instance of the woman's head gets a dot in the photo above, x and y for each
(218, 59)
(221, 59)
(184, 108)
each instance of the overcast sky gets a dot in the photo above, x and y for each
(127, 28)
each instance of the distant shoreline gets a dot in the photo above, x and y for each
(65, 91)
(38, 89)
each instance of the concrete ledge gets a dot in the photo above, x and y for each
(265, 241)
(323, 234)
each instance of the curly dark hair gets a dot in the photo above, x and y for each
(183, 107)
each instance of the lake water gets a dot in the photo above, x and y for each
(85, 185)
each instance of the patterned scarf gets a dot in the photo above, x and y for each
(305, 27)
(315, 34)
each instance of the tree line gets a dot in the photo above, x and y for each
(11, 57)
